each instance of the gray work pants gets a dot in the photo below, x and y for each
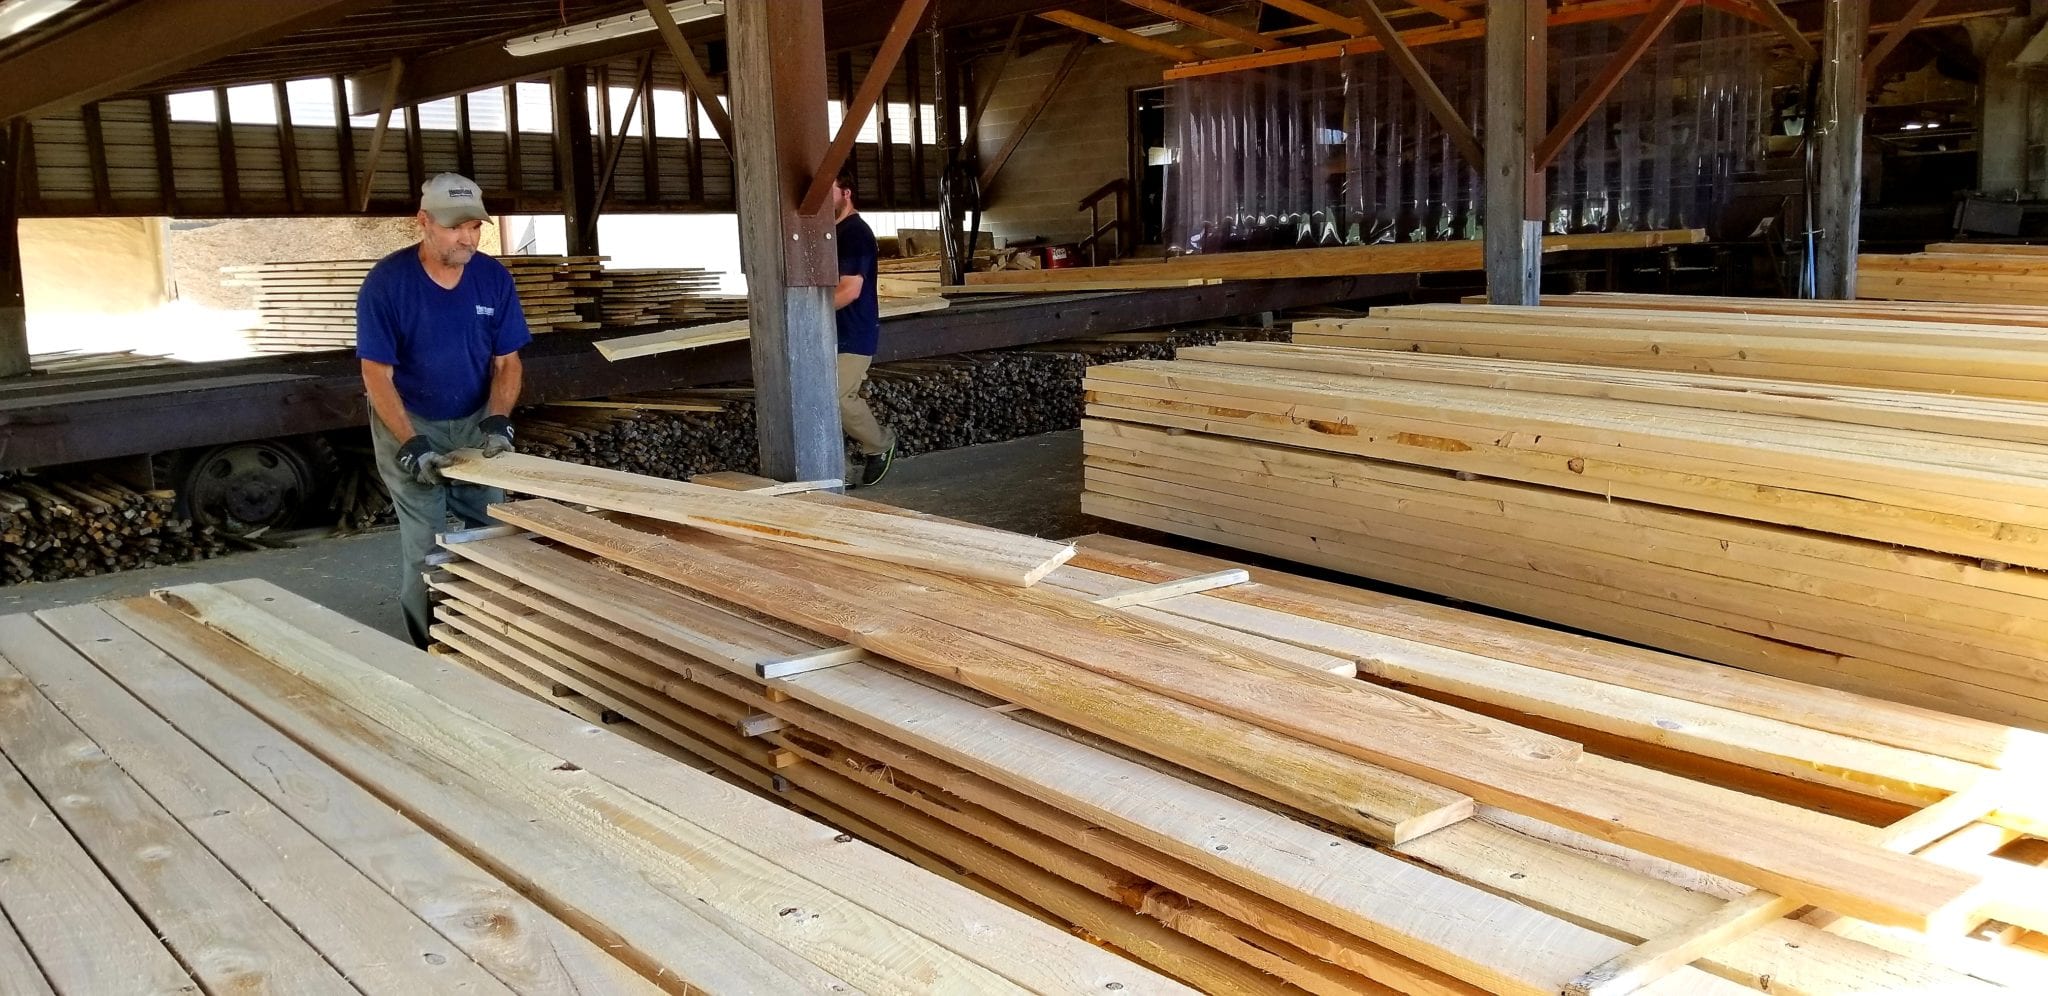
(423, 509)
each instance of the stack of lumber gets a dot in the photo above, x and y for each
(1174, 756)
(1335, 261)
(231, 789)
(1899, 311)
(306, 306)
(699, 336)
(1858, 537)
(52, 529)
(1960, 272)
(1941, 357)
(72, 361)
(709, 308)
(652, 296)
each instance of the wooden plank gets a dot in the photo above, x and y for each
(1352, 794)
(1202, 22)
(963, 551)
(17, 967)
(648, 922)
(227, 935)
(52, 885)
(352, 922)
(1027, 953)
(1111, 33)
(837, 933)
(1507, 769)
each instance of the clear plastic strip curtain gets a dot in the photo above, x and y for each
(1340, 151)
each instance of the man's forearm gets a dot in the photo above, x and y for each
(385, 403)
(506, 378)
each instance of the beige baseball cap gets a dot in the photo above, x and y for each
(451, 199)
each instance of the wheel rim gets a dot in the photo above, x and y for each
(241, 488)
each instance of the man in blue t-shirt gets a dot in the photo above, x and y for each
(860, 330)
(438, 331)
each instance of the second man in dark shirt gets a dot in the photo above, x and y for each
(860, 331)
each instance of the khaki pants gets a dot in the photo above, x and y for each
(423, 509)
(855, 417)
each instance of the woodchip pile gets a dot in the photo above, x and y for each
(54, 529)
(1767, 496)
(1262, 784)
(1959, 272)
(231, 789)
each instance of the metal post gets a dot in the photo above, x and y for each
(13, 297)
(1516, 116)
(574, 161)
(778, 101)
(1845, 30)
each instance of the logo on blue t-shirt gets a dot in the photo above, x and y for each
(482, 310)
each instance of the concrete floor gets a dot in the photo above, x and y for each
(1030, 485)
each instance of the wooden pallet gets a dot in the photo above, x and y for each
(1053, 792)
(230, 788)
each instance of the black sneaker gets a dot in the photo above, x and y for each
(874, 468)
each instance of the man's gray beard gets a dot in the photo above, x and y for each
(458, 257)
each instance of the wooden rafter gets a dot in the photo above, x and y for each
(1203, 22)
(1317, 14)
(384, 109)
(642, 76)
(288, 147)
(995, 77)
(1891, 39)
(1425, 87)
(872, 87)
(1638, 42)
(1801, 46)
(1052, 86)
(1112, 33)
(693, 72)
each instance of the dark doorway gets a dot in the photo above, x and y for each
(1150, 156)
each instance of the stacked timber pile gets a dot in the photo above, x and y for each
(652, 296)
(1898, 311)
(701, 308)
(54, 529)
(231, 789)
(1959, 272)
(1852, 534)
(312, 305)
(1174, 756)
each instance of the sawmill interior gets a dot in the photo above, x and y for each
(1337, 497)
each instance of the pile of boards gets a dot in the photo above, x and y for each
(230, 789)
(54, 528)
(1854, 502)
(1261, 784)
(654, 296)
(1961, 272)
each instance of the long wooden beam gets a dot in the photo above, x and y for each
(1777, 18)
(1204, 22)
(1052, 86)
(1584, 12)
(1898, 32)
(1425, 87)
(641, 78)
(872, 87)
(141, 43)
(995, 77)
(1112, 33)
(1324, 16)
(1638, 42)
(693, 72)
(397, 76)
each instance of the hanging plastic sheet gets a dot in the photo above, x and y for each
(1341, 151)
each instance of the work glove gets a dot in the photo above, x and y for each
(418, 459)
(497, 430)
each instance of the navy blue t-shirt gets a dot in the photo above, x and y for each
(860, 322)
(439, 342)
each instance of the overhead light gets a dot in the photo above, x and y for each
(607, 28)
(17, 16)
(1162, 28)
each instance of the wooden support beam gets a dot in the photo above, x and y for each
(574, 161)
(139, 43)
(885, 145)
(166, 166)
(224, 144)
(1203, 22)
(96, 158)
(515, 165)
(650, 147)
(1052, 87)
(1777, 18)
(995, 76)
(1839, 136)
(415, 151)
(693, 111)
(918, 198)
(344, 141)
(367, 188)
(1590, 99)
(14, 145)
(604, 114)
(1425, 87)
(288, 147)
(1890, 40)
(873, 87)
(465, 144)
(1317, 14)
(1112, 33)
(642, 79)
(693, 72)
(791, 262)
(1516, 47)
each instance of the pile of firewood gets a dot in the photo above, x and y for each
(55, 529)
